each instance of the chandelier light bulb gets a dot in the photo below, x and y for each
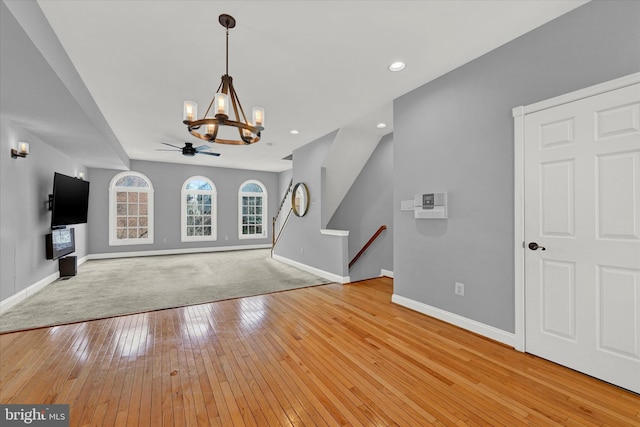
(221, 104)
(190, 111)
(258, 117)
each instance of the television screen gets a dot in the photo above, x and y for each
(60, 242)
(70, 200)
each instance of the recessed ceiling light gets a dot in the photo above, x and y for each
(294, 132)
(381, 125)
(397, 66)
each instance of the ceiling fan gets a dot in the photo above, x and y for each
(190, 150)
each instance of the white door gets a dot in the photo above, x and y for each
(582, 207)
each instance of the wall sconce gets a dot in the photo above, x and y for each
(22, 151)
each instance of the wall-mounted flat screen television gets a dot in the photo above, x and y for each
(70, 200)
(61, 242)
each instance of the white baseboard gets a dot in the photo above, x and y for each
(14, 299)
(177, 251)
(313, 270)
(386, 273)
(457, 320)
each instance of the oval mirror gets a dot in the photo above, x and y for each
(300, 199)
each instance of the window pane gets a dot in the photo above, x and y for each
(199, 203)
(258, 229)
(251, 188)
(129, 198)
(132, 181)
(198, 185)
(259, 201)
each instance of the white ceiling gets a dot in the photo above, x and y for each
(315, 66)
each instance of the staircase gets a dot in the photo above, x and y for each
(282, 216)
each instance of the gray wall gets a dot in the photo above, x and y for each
(167, 180)
(367, 205)
(301, 240)
(455, 134)
(25, 185)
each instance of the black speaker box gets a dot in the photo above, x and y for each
(68, 266)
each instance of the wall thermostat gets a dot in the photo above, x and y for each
(430, 206)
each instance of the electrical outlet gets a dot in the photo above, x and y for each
(226, 237)
(301, 250)
(459, 289)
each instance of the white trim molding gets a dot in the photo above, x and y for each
(177, 251)
(386, 273)
(328, 232)
(20, 296)
(577, 95)
(457, 320)
(519, 114)
(330, 276)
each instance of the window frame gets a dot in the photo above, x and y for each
(113, 195)
(264, 195)
(183, 210)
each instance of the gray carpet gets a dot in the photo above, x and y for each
(113, 287)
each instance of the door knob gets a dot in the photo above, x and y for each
(534, 246)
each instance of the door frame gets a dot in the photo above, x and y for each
(519, 219)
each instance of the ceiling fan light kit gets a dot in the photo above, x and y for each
(223, 103)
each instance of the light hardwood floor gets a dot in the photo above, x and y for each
(328, 355)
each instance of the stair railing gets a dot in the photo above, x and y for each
(282, 216)
(366, 246)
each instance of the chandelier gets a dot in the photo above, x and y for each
(217, 113)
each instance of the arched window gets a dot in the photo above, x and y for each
(130, 209)
(252, 210)
(199, 206)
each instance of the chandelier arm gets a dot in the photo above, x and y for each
(235, 96)
(234, 102)
(215, 133)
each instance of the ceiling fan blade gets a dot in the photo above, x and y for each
(211, 154)
(171, 145)
(202, 147)
(164, 149)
